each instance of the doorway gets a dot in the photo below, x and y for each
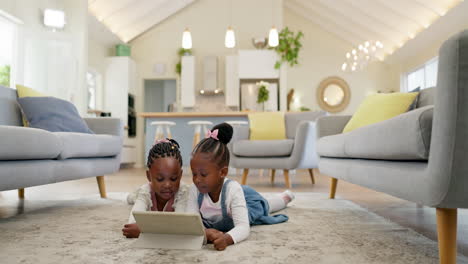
(160, 95)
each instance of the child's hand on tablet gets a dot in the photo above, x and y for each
(212, 234)
(131, 231)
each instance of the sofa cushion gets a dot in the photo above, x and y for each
(426, 97)
(52, 114)
(293, 119)
(10, 113)
(263, 148)
(379, 107)
(82, 145)
(22, 143)
(405, 137)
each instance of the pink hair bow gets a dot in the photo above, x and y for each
(212, 134)
(163, 140)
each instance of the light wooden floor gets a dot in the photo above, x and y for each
(407, 214)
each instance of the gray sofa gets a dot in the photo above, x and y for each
(419, 156)
(297, 151)
(31, 157)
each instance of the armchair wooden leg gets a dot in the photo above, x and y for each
(311, 173)
(333, 184)
(447, 235)
(286, 179)
(272, 178)
(21, 193)
(244, 176)
(102, 186)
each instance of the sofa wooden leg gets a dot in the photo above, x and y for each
(333, 184)
(311, 173)
(272, 178)
(244, 176)
(286, 179)
(447, 235)
(21, 193)
(102, 186)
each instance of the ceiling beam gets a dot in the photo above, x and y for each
(152, 18)
(356, 17)
(351, 26)
(330, 27)
(436, 9)
(104, 9)
(401, 11)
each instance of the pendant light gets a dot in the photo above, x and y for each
(230, 37)
(273, 39)
(186, 39)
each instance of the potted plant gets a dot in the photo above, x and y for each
(288, 47)
(181, 52)
(263, 93)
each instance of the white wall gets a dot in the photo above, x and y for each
(52, 62)
(207, 21)
(101, 45)
(321, 56)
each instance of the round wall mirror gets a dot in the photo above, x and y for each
(333, 94)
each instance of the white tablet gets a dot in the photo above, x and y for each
(169, 230)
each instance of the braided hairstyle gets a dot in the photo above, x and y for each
(163, 150)
(218, 148)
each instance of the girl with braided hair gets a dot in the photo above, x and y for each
(227, 208)
(164, 191)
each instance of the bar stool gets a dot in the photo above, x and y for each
(160, 127)
(200, 126)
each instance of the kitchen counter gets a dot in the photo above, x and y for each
(193, 114)
(182, 131)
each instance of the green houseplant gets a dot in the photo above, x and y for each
(288, 47)
(263, 93)
(5, 75)
(181, 52)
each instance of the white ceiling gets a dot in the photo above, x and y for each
(355, 21)
(130, 18)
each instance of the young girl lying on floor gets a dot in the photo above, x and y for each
(163, 192)
(227, 208)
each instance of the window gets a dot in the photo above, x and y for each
(94, 84)
(423, 77)
(7, 50)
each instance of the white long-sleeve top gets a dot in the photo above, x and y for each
(143, 200)
(235, 205)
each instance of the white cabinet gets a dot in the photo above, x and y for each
(258, 64)
(231, 93)
(187, 82)
(120, 79)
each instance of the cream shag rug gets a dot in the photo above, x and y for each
(319, 231)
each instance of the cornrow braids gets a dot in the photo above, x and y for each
(217, 147)
(163, 150)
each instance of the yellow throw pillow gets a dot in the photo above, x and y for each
(267, 126)
(379, 107)
(24, 91)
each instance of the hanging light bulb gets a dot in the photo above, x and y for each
(186, 39)
(230, 39)
(273, 39)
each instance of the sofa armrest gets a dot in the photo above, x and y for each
(105, 125)
(304, 154)
(331, 125)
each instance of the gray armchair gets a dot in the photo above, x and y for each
(297, 151)
(419, 156)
